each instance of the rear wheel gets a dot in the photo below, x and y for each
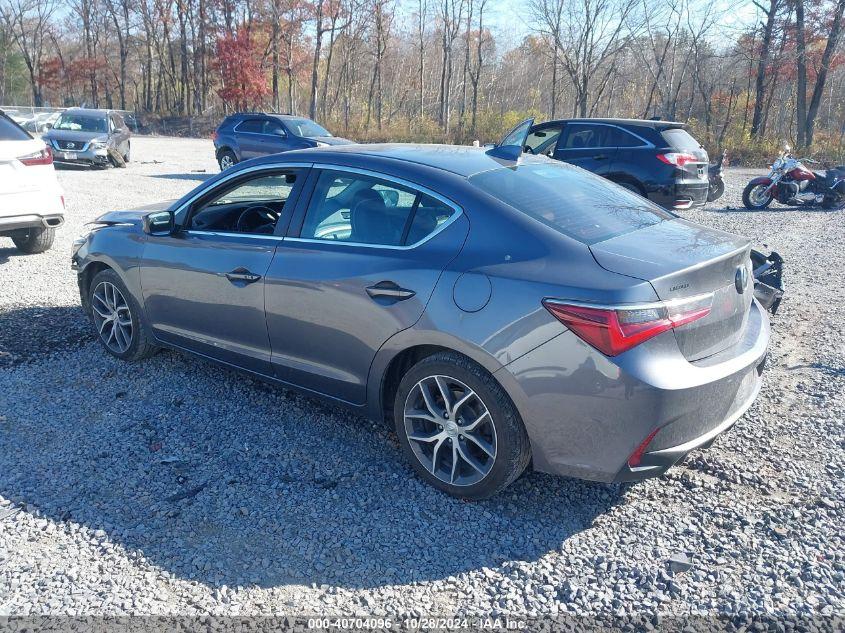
(227, 159)
(757, 196)
(126, 156)
(35, 240)
(715, 190)
(458, 428)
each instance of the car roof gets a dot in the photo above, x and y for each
(274, 115)
(462, 160)
(652, 123)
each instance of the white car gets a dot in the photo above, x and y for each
(32, 203)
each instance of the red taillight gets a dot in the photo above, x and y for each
(616, 330)
(677, 159)
(44, 157)
(637, 456)
(214, 135)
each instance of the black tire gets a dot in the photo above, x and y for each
(715, 191)
(227, 155)
(35, 240)
(128, 153)
(141, 345)
(746, 198)
(512, 448)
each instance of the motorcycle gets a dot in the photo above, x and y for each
(790, 182)
(714, 175)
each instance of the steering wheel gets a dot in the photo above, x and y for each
(262, 215)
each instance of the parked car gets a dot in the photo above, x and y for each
(31, 201)
(656, 159)
(498, 312)
(251, 134)
(41, 122)
(82, 136)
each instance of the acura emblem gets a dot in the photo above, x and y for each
(741, 279)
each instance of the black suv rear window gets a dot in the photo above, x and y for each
(679, 138)
(581, 205)
(11, 131)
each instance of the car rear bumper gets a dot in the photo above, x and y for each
(587, 414)
(28, 221)
(681, 195)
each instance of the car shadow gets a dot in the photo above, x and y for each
(199, 176)
(223, 479)
(773, 209)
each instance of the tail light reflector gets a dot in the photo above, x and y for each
(613, 330)
(637, 456)
(214, 135)
(43, 157)
(677, 159)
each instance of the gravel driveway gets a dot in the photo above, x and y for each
(176, 487)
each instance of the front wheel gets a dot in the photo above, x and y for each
(757, 196)
(118, 318)
(458, 428)
(34, 240)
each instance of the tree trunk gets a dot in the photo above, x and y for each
(801, 82)
(762, 67)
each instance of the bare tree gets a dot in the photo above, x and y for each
(28, 23)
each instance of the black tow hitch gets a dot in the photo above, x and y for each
(768, 279)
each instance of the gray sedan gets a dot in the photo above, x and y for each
(499, 311)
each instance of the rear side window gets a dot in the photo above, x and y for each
(620, 138)
(11, 131)
(364, 210)
(679, 138)
(580, 205)
(253, 126)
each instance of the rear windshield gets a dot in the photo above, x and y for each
(583, 206)
(679, 138)
(11, 131)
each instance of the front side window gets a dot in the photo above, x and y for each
(274, 128)
(81, 123)
(543, 141)
(583, 206)
(250, 206)
(365, 210)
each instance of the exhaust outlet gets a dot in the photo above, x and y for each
(53, 222)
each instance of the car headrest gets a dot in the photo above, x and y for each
(370, 221)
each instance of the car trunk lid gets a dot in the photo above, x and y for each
(682, 259)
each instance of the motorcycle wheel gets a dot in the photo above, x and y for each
(753, 197)
(833, 203)
(716, 190)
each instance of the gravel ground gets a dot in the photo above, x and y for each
(176, 487)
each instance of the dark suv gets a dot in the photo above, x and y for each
(251, 134)
(657, 159)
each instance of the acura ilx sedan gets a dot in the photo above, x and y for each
(499, 310)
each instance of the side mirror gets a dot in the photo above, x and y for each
(159, 223)
(48, 126)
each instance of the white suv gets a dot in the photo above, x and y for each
(32, 204)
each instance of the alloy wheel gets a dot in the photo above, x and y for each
(450, 430)
(759, 195)
(226, 162)
(112, 317)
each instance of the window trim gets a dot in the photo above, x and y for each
(274, 167)
(318, 169)
(647, 144)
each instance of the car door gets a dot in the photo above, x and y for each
(120, 133)
(203, 286)
(358, 267)
(250, 136)
(543, 139)
(275, 138)
(588, 146)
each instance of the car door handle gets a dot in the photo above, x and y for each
(600, 157)
(241, 274)
(389, 290)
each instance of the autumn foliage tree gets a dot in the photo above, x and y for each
(243, 79)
